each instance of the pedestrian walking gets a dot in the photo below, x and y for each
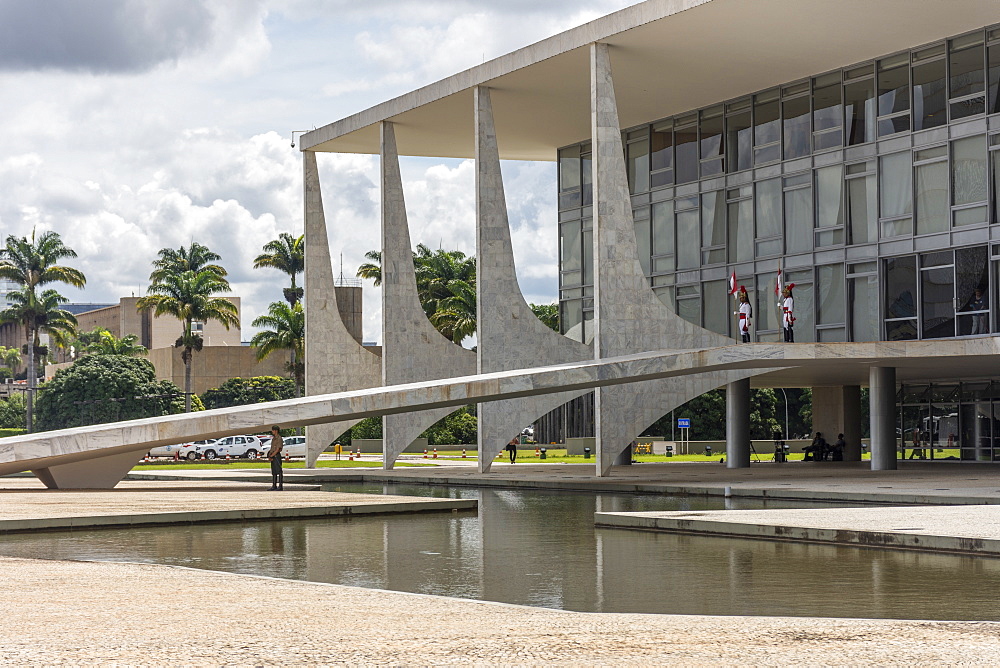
(274, 454)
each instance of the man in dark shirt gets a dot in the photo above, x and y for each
(274, 454)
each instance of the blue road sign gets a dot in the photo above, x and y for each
(683, 423)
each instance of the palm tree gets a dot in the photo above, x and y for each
(436, 272)
(38, 314)
(31, 263)
(455, 316)
(190, 297)
(287, 332)
(10, 357)
(287, 254)
(373, 269)
(196, 258)
(109, 344)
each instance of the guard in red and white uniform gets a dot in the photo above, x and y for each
(745, 314)
(787, 306)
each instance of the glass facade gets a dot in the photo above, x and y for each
(949, 421)
(874, 188)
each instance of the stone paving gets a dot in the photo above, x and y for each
(74, 613)
(26, 505)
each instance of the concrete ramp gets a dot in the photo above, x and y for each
(99, 455)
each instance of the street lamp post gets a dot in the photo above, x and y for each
(785, 394)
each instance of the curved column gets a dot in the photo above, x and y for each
(412, 349)
(510, 335)
(335, 361)
(628, 317)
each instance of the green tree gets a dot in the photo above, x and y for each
(105, 388)
(190, 297)
(708, 416)
(31, 263)
(446, 287)
(286, 254)
(13, 411)
(286, 331)
(196, 258)
(455, 316)
(10, 359)
(548, 314)
(242, 391)
(109, 344)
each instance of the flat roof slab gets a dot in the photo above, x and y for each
(25, 505)
(961, 529)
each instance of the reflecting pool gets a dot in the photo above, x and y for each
(541, 548)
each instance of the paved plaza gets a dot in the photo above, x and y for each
(72, 613)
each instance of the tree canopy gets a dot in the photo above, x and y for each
(196, 258)
(286, 254)
(286, 332)
(105, 388)
(242, 391)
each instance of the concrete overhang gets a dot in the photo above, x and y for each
(668, 57)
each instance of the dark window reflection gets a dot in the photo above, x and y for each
(929, 95)
(686, 147)
(901, 287)
(796, 127)
(859, 112)
(739, 142)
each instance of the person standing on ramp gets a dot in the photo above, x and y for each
(274, 454)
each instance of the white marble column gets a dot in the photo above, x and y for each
(882, 395)
(510, 336)
(412, 349)
(628, 317)
(335, 362)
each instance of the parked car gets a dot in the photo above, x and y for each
(196, 449)
(167, 450)
(295, 446)
(236, 447)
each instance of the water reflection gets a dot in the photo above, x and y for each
(541, 548)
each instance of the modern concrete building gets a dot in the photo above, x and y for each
(847, 144)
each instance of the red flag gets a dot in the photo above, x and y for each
(732, 284)
(778, 286)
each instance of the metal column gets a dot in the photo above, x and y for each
(882, 395)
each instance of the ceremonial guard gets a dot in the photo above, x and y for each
(745, 314)
(787, 305)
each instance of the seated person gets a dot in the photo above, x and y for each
(816, 450)
(837, 449)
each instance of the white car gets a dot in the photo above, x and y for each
(295, 446)
(235, 447)
(196, 449)
(167, 450)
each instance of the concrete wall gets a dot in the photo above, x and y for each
(108, 318)
(215, 365)
(351, 311)
(165, 330)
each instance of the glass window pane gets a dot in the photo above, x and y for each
(798, 220)
(827, 110)
(972, 274)
(929, 95)
(831, 288)
(662, 149)
(569, 168)
(642, 242)
(638, 166)
(688, 244)
(900, 330)
(901, 287)
(895, 185)
(768, 206)
(711, 137)
(931, 184)
(570, 249)
(587, 177)
(995, 158)
(739, 142)
(588, 257)
(862, 210)
(937, 292)
(893, 90)
(968, 170)
(864, 308)
(830, 196)
(994, 79)
(967, 76)
(571, 319)
(741, 231)
(766, 123)
(690, 309)
(796, 127)
(663, 228)
(686, 154)
(766, 310)
(859, 112)
(718, 306)
(805, 311)
(713, 220)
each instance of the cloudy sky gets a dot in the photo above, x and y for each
(131, 125)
